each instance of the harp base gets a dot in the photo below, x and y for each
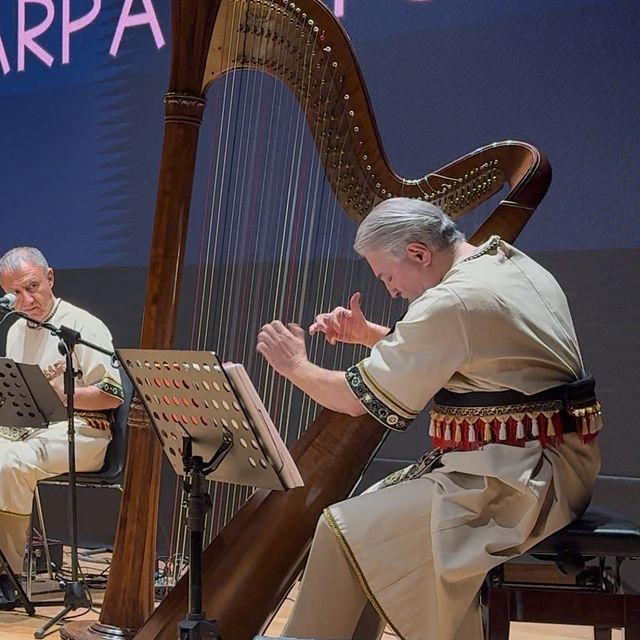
(95, 630)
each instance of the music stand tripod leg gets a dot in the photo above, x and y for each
(196, 626)
(24, 599)
(75, 591)
(43, 411)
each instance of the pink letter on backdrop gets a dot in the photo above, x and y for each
(4, 61)
(70, 26)
(126, 20)
(338, 8)
(27, 37)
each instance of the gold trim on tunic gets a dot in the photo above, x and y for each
(333, 525)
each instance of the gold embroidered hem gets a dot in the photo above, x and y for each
(14, 434)
(333, 525)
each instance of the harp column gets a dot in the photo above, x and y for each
(129, 599)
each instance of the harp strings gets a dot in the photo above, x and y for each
(210, 282)
(232, 237)
(275, 244)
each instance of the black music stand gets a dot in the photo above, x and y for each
(206, 430)
(27, 400)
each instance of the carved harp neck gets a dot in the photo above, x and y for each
(305, 47)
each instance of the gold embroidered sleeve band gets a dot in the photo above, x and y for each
(385, 409)
(110, 386)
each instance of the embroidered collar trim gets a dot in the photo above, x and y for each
(48, 317)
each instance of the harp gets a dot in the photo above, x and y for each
(253, 561)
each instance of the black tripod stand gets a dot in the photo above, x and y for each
(76, 595)
(15, 582)
(75, 591)
(196, 626)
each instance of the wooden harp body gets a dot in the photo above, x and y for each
(251, 564)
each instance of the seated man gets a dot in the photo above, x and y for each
(488, 333)
(29, 455)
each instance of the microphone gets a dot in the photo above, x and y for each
(8, 301)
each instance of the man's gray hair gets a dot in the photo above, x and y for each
(396, 222)
(13, 259)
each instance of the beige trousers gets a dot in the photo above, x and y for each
(22, 464)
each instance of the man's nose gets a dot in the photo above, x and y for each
(23, 300)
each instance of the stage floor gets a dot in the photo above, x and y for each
(17, 625)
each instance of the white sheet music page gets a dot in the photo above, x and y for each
(277, 450)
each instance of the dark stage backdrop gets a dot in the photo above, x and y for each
(81, 87)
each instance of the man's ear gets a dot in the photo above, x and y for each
(419, 253)
(50, 277)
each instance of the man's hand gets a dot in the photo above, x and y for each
(54, 370)
(282, 346)
(54, 374)
(284, 349)
(342, 325)
(348, 325)
(58, 386)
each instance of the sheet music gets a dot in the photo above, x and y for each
(278, 453)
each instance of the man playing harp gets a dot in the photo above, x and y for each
(488, 335)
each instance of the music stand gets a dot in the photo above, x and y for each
(27, 400)
(205, 430)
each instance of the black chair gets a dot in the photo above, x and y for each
(110, 476)
(593, 595)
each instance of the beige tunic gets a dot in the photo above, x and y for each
(38, 346)
(421, 548)
(44, 452)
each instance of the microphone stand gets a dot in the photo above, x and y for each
(75, 592)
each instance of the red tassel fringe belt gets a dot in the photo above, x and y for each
(467, 421)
